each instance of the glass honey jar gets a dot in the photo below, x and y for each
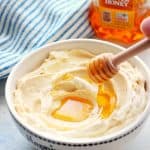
(118, 20)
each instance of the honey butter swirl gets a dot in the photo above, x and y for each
(59, 97)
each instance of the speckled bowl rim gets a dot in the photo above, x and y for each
(98, 140)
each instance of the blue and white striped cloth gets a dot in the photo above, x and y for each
(28, 24)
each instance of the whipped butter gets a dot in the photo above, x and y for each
(59, 97)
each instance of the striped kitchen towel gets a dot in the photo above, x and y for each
(28, 24)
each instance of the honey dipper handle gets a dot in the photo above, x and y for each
(131, 51)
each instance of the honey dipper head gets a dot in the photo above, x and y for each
(101, 68)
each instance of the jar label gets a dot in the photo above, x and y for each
(120, 4)
(120, 19)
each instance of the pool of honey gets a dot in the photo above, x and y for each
(75, 109)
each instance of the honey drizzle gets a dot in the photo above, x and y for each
(83, 114)
(106, 101)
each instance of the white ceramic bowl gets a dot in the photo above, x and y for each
(32, 60)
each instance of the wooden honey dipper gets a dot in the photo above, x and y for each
(105, 66)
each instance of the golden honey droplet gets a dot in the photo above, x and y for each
(106, 100)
